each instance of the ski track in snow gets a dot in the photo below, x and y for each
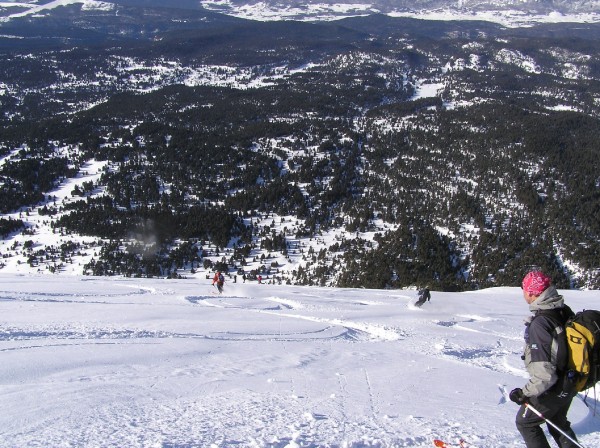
(352, 330)
(492, 358)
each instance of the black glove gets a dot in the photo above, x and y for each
(517, 396)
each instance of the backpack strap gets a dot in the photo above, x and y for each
(558, 318)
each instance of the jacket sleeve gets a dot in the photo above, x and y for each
(541, 348)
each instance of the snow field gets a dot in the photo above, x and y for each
(99, 362)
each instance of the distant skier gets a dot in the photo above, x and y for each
(424, 296)
(219, 280)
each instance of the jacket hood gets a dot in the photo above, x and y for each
(548, 300)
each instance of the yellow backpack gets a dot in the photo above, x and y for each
(583, 339)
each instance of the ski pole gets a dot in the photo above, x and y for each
(539, 414)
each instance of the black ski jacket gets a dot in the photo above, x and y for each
(546, 350)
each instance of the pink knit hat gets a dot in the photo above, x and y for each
(536, 283)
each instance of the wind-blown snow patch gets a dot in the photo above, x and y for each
(517, 58)
(427, 90)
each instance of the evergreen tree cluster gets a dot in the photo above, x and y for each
(464, 188)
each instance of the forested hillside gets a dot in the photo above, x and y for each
(370, 152)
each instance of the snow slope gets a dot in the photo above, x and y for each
(35, 9)
(96, 362)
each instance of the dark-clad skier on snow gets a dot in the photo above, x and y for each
(546, 361)
(424, 296)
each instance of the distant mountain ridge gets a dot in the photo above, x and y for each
(564, 6)
(508, 11)
(38, 24)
